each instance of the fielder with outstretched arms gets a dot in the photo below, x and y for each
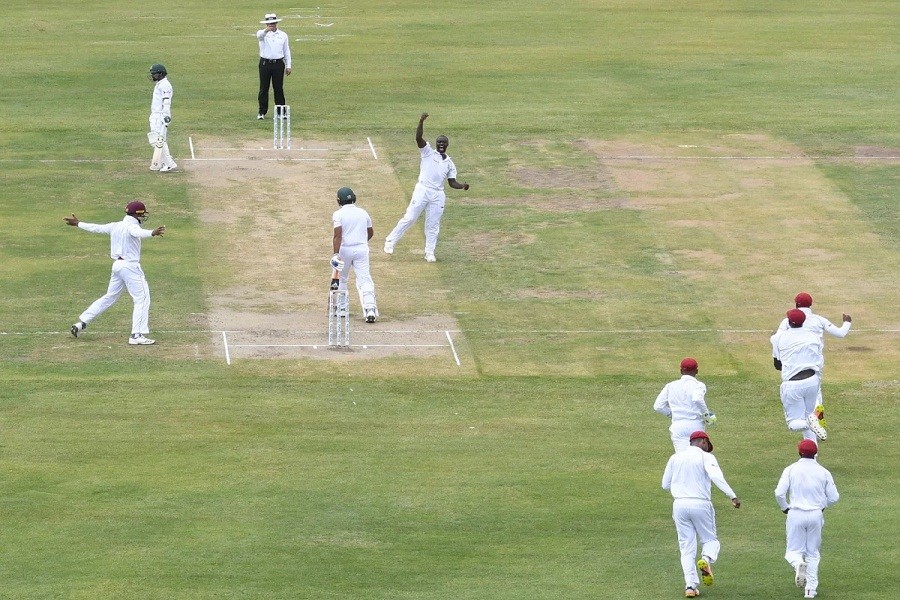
(160, 117)
(125, 250)
(350, 244)
(428, 196)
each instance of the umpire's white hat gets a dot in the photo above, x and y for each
(270, 18)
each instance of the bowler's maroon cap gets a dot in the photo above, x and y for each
(807, 448)
(803, 300)
(702, 435)
(689, 364)
(796, 317)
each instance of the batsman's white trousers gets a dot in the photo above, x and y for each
(159, 130)
(125, 275)
(695, 518)
(357, 257)
(804, 537)
(430, 201)
(799, 401)
(681, 432)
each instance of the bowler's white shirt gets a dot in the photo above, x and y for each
(125, 237)
(274, 45)
(688, 475)
(161, 105)
(798, 349)
(809, 484)
(818, 325)
(433, 169)
(354, 223)
(683, 399)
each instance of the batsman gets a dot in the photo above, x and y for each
(350, 244)
(160, 117)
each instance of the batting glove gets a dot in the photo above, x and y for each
(337, 263)
(710, 418)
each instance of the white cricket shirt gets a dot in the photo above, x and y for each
(162, 99)
(818, 325)
(688, 475)
(124, 237)
(354, 223)
(809, 484)
(683, 399)
(798, 349)
(433, 169)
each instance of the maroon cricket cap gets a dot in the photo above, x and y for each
(702, 435)
(803, 299)
(807, 448)
(796, 317)
(688, 364)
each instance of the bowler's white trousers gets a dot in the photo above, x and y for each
(695, 518)
(429, 200)
(125, 275)
(804, 537)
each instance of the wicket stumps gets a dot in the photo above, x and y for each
(338, 318)
(281, 127)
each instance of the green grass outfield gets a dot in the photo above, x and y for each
(650, 180)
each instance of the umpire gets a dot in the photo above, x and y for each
(274, 63)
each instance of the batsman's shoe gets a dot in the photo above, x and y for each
(167, 168)
(705, 569)
(816, 422)
(370, 315)
(691, 592)
(260, 117)
(154, 166)
(429, 257)
(140, 340)
(800, 575)
(810, 594)
(388, 247)
(78, 328)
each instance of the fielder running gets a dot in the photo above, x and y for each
(688, 476)
(811, 489)
(797, 353)
(820, 326)
(684, 400)
(428, 195)
(160, 117)
(125, 249)
(350, 244)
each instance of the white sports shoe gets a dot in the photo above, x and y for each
(77, 328)
(810, 594)
(429, 257)
(800, 575)
(140, 340)
(388, 247)
(154, 167)
(814, 426)
(370, 315)
(167, 168)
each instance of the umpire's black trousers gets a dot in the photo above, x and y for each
(270, 70)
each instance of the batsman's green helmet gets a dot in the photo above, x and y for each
(346, 196)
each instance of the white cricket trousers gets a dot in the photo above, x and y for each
(125, 275)
(159, 129)
(681, 432)
(430, 201)
(804, 537)
(799, 401)
(695, 518)
(357, 257)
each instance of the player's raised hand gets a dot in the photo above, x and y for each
(847, 318)
(73, 220)
(423, 117)
(159, 230)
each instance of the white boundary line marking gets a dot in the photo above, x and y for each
(461, 331)
(227, 353)
(191, 143)
(373, 148)
(452, 347)
(324, 346)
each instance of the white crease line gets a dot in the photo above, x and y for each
(227, 354)
(191, 143)
(351, 346)
(452, 347)
(372, 146)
